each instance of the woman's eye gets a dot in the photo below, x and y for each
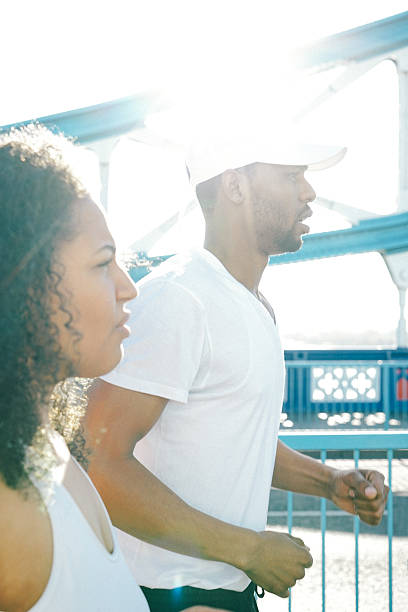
(105, 264)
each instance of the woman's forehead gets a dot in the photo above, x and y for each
(91, 227)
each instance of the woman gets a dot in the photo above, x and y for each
(63, 314)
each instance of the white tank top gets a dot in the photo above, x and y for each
(85, 577)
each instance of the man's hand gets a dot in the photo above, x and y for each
(360, 492)
(277, 561)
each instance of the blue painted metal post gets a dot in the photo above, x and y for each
(323, 457)
(356, 455)
(290, 511)
(390, 526)
(290, 526)
(351, 440)
(387, 376)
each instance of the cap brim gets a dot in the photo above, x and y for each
(315, 157)
(332, 159)
(210, 161)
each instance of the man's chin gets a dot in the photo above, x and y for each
(287, 247)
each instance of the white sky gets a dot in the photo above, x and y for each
(58, 55)
(210, 55)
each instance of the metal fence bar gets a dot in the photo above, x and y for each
(305, 382)
(356, 456)
(346, 440)
(386, 396)
(290, 511)
(290, 527)
(355, 441)
(390, 363)
(314, 513)
(397, 408)
(390, 525)
(323, 525)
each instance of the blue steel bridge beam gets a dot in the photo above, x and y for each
(109, 119)
(386, 234)
(383, 37)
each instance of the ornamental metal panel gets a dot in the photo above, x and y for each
(342, 382)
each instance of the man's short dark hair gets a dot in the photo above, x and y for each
(207, 193)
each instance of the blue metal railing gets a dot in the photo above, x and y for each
(355, 442)
(346, 393)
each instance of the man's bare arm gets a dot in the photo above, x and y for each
(361, 492)
(299, 473)
(143, 506)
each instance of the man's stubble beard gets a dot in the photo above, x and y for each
(270, 239)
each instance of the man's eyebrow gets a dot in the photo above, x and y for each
(110, 247)
(297, 168)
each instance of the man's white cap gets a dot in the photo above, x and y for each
(209, 158)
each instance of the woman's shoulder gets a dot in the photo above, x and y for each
(26, 547)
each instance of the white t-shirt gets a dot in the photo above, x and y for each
(202, 340)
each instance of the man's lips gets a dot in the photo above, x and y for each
(305, 215)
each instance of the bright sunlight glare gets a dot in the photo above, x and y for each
(213, 60)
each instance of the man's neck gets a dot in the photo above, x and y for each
(245, 266)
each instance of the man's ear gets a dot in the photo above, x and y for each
(232, 184)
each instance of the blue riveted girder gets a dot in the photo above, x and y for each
(93, 123)
(387, 234)
(365, 42)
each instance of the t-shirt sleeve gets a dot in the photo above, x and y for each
(162, 355)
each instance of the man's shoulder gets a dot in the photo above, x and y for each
(179, 272)
(174, 289)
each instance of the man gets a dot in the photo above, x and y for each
(184, 431)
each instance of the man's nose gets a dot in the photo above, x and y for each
(307, 194)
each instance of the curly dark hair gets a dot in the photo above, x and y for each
(38, 188)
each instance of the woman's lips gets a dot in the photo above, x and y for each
(122, 328)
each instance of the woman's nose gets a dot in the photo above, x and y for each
(126, 288)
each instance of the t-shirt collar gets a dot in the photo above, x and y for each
(216, 264)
